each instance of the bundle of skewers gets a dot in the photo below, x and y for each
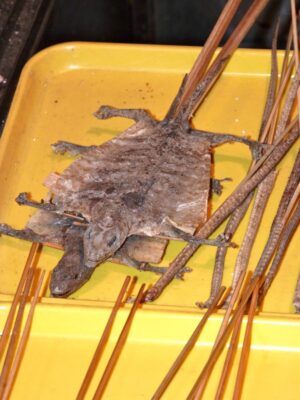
(278, 133)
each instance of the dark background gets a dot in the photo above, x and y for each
(27, 26)
(156, 21)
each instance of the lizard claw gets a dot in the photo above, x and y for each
(224, 240)
(22, 198)
(258, 149)
(216, 185)
(62, 147)
(180, 274)
(104, 112)
(59, 147)
(4, 228)
(202, 305)
(161, 270)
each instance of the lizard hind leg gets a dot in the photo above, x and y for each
(145, 266)
(62, 147)
(137, 114)
(24, 234)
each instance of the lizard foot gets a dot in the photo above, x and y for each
(222, 240)
(161, 270)
(62, 147)
(22, 198)
(258, 149)
(216, 185)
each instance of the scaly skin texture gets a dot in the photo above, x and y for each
(229, 205)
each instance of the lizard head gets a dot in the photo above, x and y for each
(66, 278)
(102, 239)
(70, 273)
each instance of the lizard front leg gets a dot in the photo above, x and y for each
(62, 147)
(217, 139)
(137, 115)
(23, 199)
(223, 240)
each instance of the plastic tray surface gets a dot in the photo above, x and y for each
(58, 92)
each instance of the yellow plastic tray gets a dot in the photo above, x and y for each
(59, 90)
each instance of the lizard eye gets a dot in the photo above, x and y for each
(112, 241)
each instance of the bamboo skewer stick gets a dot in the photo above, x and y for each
(198, 70)
(265, 188)
(261, 195)
(282, 88)
(272, 89)
(231, 227)
(103, 340)
(213, 40)
(285, 238)
(117, 350)
(222, 340)
(278, 225)
(14, 368)
(231, 305)
(201, 385)
(229, 358)
(296, 299)
(292, 204)
(295, 33)
(227, 50)
(246, 346)
(186, 349)
(16, 329)
(6, 330)
(232, 346)
(287, 49)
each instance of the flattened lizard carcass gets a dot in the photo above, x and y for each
(153, 180)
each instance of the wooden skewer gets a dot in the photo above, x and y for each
(283, 84)
(210, 47)
(292, 204)
(32, 253)
(231, 305)
(187, 348)
(232, 348)
(229, 357)
(284, 239)
(118, 347)
(15, 332)
(246, 346)
(287, 50)
(202, 383)
(105, 335)
(260, 195)
(222, 341)
(295, 33)
(296, 299)
(23, 340)
(230, 46)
